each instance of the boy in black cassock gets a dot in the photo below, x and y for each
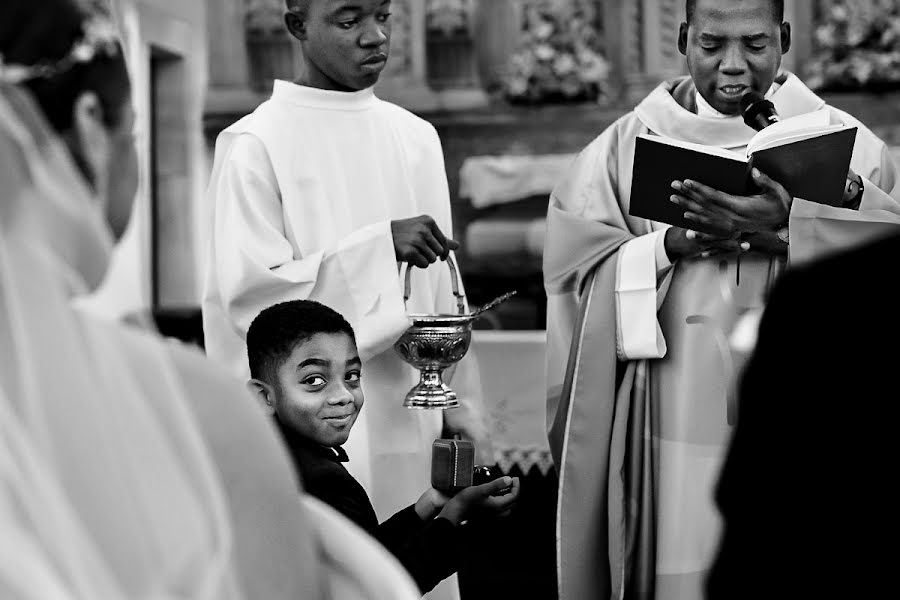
(305, 367)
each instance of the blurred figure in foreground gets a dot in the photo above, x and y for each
(118, 472)
(808, 502)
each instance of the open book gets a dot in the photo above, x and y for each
(806, 154)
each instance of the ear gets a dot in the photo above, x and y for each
(264, 394)
(295, 20)
(785, 37)
(90, 140)
(682, 38)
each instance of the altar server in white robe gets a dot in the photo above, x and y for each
(320, 193)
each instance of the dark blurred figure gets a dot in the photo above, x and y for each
(808, 490)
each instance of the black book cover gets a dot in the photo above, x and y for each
(814, 169)
(657, 165)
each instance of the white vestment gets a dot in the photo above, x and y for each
(640, 378)
(304, 190)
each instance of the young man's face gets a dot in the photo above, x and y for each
(346, 43)
(733, 47)
(318, 393)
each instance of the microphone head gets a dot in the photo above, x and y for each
(749, 99)
(758, 112)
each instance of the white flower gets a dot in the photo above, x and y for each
(564, 64)
(544, 52)
(14, 74)
(82, 52)
(543, 30)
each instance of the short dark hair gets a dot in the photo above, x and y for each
(277, 330)
(44, 32)
(777, 10)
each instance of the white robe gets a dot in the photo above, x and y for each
(640, 379)
(304, 190)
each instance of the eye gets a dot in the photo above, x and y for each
(347, 24)
(384, 18)
(756, 48)
(710, 48)
(314, 381)
(353, 377)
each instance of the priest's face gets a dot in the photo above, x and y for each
(733, 47)
(345, 42)
(319, 393)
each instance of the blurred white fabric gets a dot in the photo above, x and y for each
(513, 375)
(487, 238)
(490, 180)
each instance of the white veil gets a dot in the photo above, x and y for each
(106, 486)
(108, 489)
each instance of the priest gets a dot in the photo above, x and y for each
(640, 378)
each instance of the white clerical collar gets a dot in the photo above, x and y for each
(705, 109)
(302, 95)
(662, 114)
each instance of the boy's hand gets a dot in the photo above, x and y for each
(428, 505)
(490, 498)
(420, 242)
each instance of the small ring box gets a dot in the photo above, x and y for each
(452, 465)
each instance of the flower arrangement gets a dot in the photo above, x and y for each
(857, 46)
(560, 58)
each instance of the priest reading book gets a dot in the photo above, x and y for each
(806, 153)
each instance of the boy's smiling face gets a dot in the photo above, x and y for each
(318, 391)
(345, 42)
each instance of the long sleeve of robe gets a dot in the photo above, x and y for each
(303, 192)
(638, 437)
(257, 265)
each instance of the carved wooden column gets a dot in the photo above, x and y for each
(451, 53)
(404, 79)
(660, 39)
(800, 14)
(651, 38)
(229, 76)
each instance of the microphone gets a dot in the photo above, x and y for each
(758, 112)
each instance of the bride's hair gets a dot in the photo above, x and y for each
(58, 51)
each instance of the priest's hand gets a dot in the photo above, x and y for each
(730, 214)
(419, 241)
(685, 243)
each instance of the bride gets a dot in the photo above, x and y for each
(129, 467)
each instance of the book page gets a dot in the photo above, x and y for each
(799, 136)
(813, 123)
(711, 150)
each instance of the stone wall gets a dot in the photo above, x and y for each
(157, 262)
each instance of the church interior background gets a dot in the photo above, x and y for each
(514, 88)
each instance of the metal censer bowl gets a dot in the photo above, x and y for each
(431, 344)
